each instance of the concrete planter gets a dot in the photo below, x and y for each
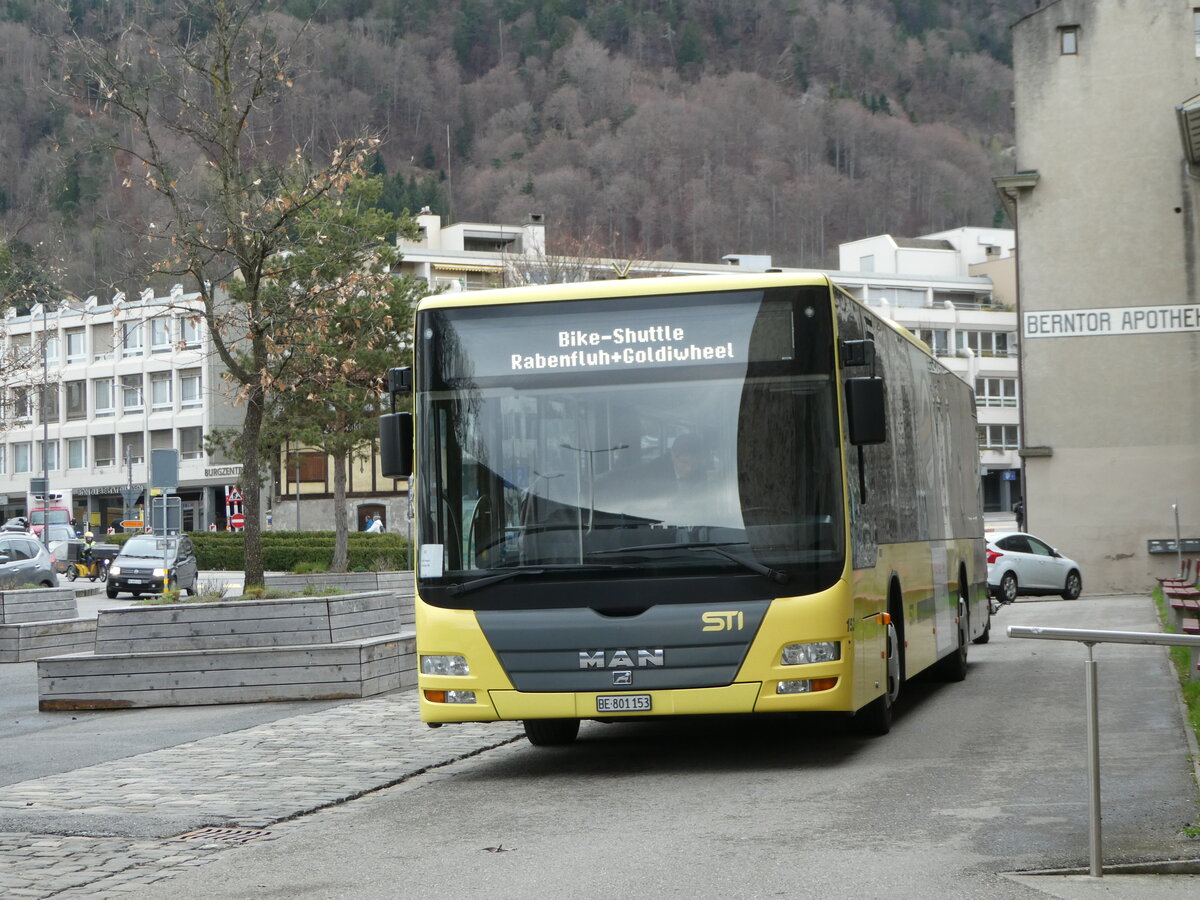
(41, 622)
(37, 605)
(299, 648)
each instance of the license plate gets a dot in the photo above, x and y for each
(135, 581)
(623, 703)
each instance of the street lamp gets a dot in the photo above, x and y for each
(45, 430)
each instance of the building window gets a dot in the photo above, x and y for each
(998, 437)
(49, 404)
(191, 443)
(22, 404)
(937, 339)
(133, 447)
(22, 458)
(103, 396)
(189, 387)
(48, 450)
(76, 345)
(189, 330)
(311, 463)
(162, 439)
(160, 334)
(104, 450)
(131, 393)
(76, 453)
(996, 392)
(987, 343)
(131, 338)
(3, 458)
(160, 390)
(102, 341)
(50, 348)
(1068, 40)
(76, 400)
(1196, 29)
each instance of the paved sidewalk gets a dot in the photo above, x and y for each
(104, 830)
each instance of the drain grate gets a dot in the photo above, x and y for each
(225, 835)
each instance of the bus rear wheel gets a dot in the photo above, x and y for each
(551, 732)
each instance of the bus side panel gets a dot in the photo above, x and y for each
(914, 500)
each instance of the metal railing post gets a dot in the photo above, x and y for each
(1089, 638)
(1096, 867)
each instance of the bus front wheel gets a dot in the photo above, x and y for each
(551, 732)
(876, 717)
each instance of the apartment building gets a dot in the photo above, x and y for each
(1105, 195)
(956, 291)
(95, 385)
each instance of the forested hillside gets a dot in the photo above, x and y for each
(677, 129)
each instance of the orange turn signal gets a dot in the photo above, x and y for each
(435, 696)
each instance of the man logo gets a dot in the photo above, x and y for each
(725, 620)
(620, 659)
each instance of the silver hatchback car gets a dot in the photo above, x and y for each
(24, 560)
(1019, 563)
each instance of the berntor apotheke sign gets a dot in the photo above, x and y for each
(1108, 321)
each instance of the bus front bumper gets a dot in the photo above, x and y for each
(745, 697)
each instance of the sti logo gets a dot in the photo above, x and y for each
(724, 620)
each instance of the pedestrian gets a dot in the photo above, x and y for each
(1019, 511)
(375, 525)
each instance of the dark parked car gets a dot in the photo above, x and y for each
(148, 564)
(23, 560)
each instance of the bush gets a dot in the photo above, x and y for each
(297, 551)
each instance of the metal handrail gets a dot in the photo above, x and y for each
(1090, 638)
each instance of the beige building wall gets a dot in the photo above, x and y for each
(1105, 212)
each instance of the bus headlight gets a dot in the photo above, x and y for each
(450, 696)
(801, 654)
(445, 665)
(806, 686)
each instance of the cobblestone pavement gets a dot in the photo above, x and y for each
(107, 830)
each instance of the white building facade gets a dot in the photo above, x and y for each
(1106, 196)
(99, 385)
(955, 290)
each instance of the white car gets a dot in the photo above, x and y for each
(1019, 563)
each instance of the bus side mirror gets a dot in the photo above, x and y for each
(396, 445)
(865, 411)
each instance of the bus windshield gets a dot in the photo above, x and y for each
(687, 435)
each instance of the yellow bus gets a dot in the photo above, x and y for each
(683, 496)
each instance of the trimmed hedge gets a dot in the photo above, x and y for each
(289, 551)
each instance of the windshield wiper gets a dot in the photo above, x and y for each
(499, 575)
(717, 547)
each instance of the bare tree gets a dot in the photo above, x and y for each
(201, 92)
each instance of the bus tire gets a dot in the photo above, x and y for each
(874, 719)
(954, 666)
(551, 732)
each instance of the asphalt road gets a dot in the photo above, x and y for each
(977, 781)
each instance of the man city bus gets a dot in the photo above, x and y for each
(680, 496)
